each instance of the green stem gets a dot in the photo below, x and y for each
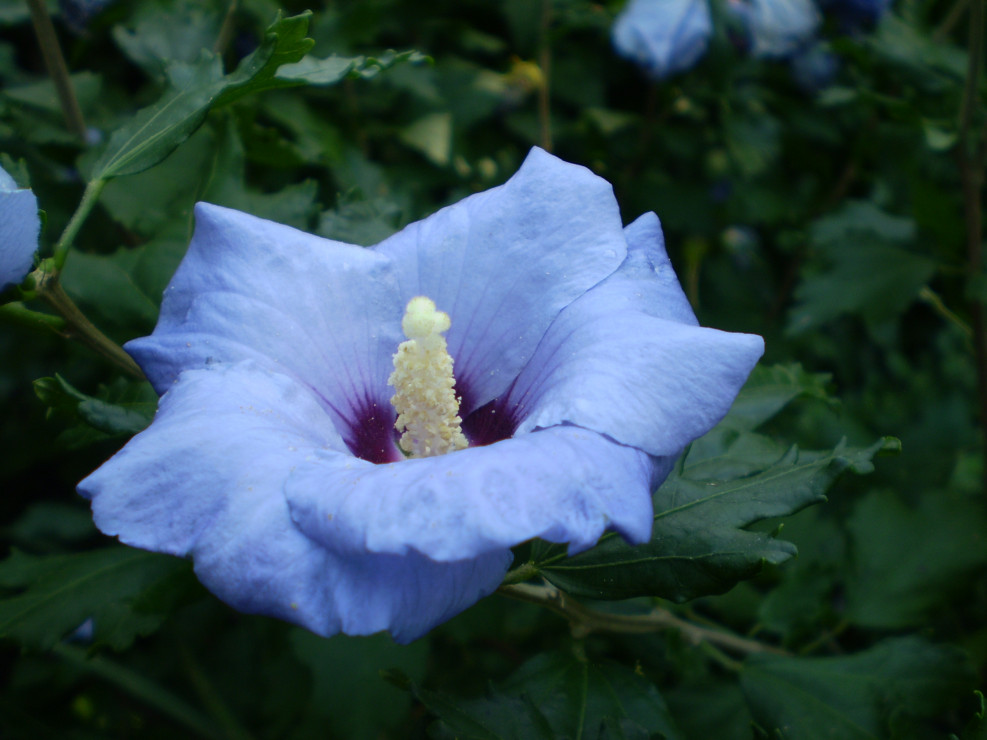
(226, 30)
(938, 305)
(524, 572)
(89, 198)
(18, 313)
(55, 62)
(584, 621)
(138, 687)
(718, 656)
(952, 18)
(79, 327)
(48, 289)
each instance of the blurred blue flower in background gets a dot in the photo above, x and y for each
(19, 229)
(776, 28)
(663, 36)
(273, 459)
(670, 36)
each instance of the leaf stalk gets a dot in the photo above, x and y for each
(584, 621)
(79, 327)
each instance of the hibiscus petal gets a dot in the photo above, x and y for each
(325, 312)
(628, 361)
(564, 484)
(646, 281)
(206, 480)
(663, 36)
(505, 262)
(19, 228)
(778, 27)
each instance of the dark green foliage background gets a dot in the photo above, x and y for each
(830, 221)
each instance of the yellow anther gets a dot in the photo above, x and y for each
(425, 399)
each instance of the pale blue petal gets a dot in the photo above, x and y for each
(206, 480)
(505, 262)
(663, 36)
(778, 28)
(564, 484)
(647, 281)
(19, 229)
(325, 312)
(627, 360)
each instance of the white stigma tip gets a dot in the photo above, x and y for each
(425, 399)
(422, 319)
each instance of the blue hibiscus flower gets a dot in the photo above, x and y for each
(776, 28)
(669, 36)
(19, 228)
(555, 347)
(663, 36)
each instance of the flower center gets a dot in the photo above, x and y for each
(428, 410)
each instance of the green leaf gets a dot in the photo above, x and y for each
(320, 72)
(122, 409)
(55, 594)
(976, 728)
(358, 700)
(333, 69)
(754, 142)
(284, 42)
(698, 543)
(122, 290)
(159, 34)
(711, 708)
(861, 270)
(803, 603)
(556, 695)
(431, 135)
(358, 220)
(156, 131)
(294, 205)
(51, 525)
(918, 56)
(909, 561)
(898, 683)
(158, 201)
(42, 95)
(769, 389)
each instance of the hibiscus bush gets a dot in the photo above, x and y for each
(517, 369)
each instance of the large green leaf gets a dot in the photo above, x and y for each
(896, 684)
(729, 479)
(553, 696)
(154, 132)
(698, 545)
(50, 596)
